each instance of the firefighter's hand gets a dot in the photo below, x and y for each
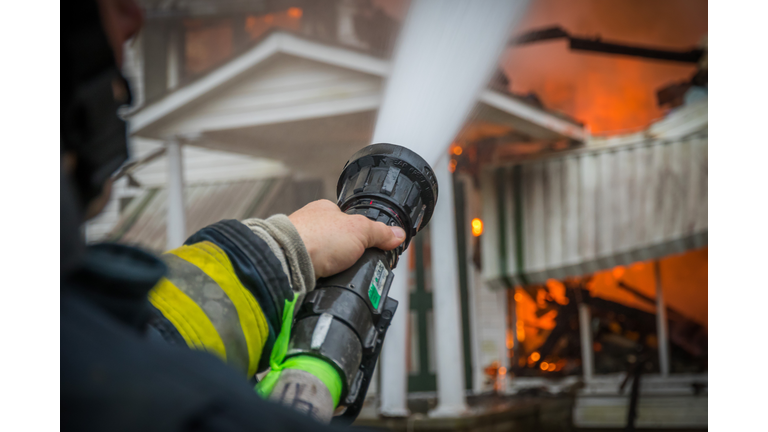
(336, 240)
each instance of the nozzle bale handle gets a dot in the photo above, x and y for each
(344, 321)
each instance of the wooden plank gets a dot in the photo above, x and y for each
(292, 87)
(640, 161)
(307, 108)
(553, 192)
(571, 215)
(655, 197)
(623, 234)
(680, 161)
(341, 88)
(604, 197)
(534, 218)
(588, 207)
(667, 193)
(692, 184)
(285, 72)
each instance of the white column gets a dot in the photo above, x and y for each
(176, 223)
(345, 30)
(585, 330)
(451, 398)
(394, 373)
(173, 60)
(662, 331)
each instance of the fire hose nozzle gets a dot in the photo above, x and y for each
(345, 318)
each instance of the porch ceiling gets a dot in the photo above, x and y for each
(314, 147)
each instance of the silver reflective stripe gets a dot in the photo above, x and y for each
(321, 331)
(204, 291)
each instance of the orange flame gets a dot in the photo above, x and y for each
(477, 227)
(295, 12)
(609, 93)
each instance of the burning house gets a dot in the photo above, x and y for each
(580, 258)
(602, 253)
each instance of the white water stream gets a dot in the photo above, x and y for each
(446, 53)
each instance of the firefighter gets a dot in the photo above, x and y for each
(174, 342)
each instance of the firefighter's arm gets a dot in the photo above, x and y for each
(227, 287)
(232, 288)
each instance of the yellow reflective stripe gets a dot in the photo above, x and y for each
(188, 318)
(215, 303)
(214, 262)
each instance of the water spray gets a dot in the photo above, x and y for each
(446, 54)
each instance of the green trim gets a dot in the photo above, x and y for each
(421, 302)
(501, 203)
(517, 191)
(128, 222)
(461, 246)
(422, 383)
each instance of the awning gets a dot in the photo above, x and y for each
(617, 202)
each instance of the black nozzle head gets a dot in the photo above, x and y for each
(390, 184)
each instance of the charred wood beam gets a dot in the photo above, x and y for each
(548, 33)
(597, 45)
(690, 56)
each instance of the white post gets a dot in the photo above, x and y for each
(345, 30)
(585, 330)
(662, 331)
(451, 397)
(175, 224)
(394, 373)
(173, 61)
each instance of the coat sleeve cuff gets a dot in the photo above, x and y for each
(284, 240)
